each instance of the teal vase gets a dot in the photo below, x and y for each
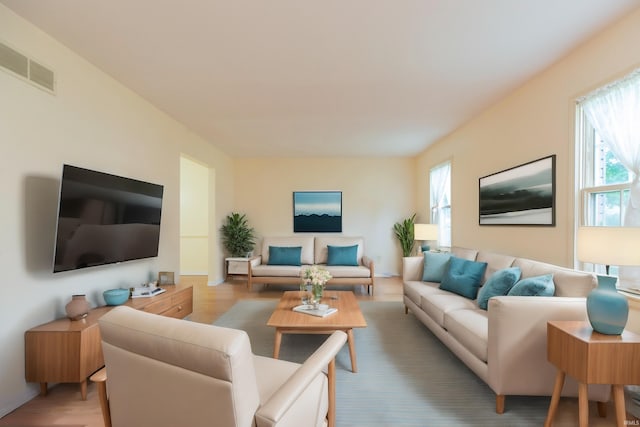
(607, 309)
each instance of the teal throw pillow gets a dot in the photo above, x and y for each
(500, 283)
(538, 286)
(435, 266)
(463, 277)
(285, 255)
(342, 255)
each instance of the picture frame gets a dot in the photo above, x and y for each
(166, 278)
(317, 211)
(521, 195)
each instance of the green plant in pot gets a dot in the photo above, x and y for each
(404, 232)
(237, 237)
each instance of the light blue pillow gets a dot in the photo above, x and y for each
(463, 277)
(538, 286)
(342, 255)
(435, 266)
(285, 255)
(500, 283)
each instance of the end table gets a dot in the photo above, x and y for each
(591, 358)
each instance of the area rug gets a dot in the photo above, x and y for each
(405, 377)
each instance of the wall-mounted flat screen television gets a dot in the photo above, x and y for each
(105, 219)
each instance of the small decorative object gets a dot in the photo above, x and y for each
(305, 292)
(116, 296)
(317, 278)
(165, 278)
(77, 308)
(607, 309)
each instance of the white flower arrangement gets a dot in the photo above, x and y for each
(315, 276)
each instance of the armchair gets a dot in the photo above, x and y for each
(169, 372)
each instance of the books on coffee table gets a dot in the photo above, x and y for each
(322, 310)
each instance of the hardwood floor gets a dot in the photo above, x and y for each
(62, 407)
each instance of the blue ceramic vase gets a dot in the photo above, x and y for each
(607, 309)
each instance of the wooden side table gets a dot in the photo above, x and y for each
(591, 358)
(237, 266)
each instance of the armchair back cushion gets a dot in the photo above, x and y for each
(171, 362)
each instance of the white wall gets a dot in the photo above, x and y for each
(92, 122)
(194, 217)
(376, 193)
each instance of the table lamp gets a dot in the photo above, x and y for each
(607, 309)
(425, 232)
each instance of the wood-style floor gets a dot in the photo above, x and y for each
(62, 407)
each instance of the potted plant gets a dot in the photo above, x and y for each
(404, 232)
(237, 237)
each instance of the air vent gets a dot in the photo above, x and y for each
(21, 66)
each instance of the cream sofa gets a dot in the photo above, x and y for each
(314, 251)
(165, 372)
(506, 344)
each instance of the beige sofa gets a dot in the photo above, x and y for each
(314, 251)
(165, 372)
(506, 344)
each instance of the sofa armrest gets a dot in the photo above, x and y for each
(517, 342)
(412, 268)
(255, 261)
(283, 402)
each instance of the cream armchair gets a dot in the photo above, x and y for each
(170, 372)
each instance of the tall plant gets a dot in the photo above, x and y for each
(237, 237)
(404, 233)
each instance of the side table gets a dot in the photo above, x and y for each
(591, 358)
(237, 266)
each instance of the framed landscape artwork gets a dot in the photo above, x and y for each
(522, 195)
(317, 211)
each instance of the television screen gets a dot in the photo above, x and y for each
(105, 219)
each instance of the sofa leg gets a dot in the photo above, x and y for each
(406, 310)
(602, 409)
(499, 403)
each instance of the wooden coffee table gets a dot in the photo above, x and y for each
(287, 321)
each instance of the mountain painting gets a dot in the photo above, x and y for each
(522, 195)
(317, 211)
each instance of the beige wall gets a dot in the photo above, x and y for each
(194, 217)
(92, 122)
(376, 193)
(534, 121)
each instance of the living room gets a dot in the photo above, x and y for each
(96, 122)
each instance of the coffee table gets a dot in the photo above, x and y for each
(349, 316)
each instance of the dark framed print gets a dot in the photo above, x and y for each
(166, 278)
(522, 195)
(317, 211)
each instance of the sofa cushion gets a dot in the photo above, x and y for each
(498, 284)
(342, 255)
(471, 329)
(321, 247)
(415, 290)
(463, 277)
(534, 286)
(495, 262)
(464, 253)
(344, 271)
(435, 266)
(285, 255)
(306, 242)
(436, 305)
(568, 283)
(276, 270)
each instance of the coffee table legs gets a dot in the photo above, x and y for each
(350, 342)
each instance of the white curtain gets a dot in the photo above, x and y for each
(440, 183)
(614, 111)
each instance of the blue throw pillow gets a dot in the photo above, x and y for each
(463, 277)
(538, 286)
(500, 283)
(285, 255)
(435, 265)
(342, 255)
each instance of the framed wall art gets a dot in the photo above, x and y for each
(522, 195)
(317, 211)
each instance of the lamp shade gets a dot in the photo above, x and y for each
(425, 231)
(609, 245)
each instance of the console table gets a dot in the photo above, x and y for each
(69, 351)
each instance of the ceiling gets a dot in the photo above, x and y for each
(295, 78)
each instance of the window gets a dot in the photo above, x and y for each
(608, 161)
(440, 202)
